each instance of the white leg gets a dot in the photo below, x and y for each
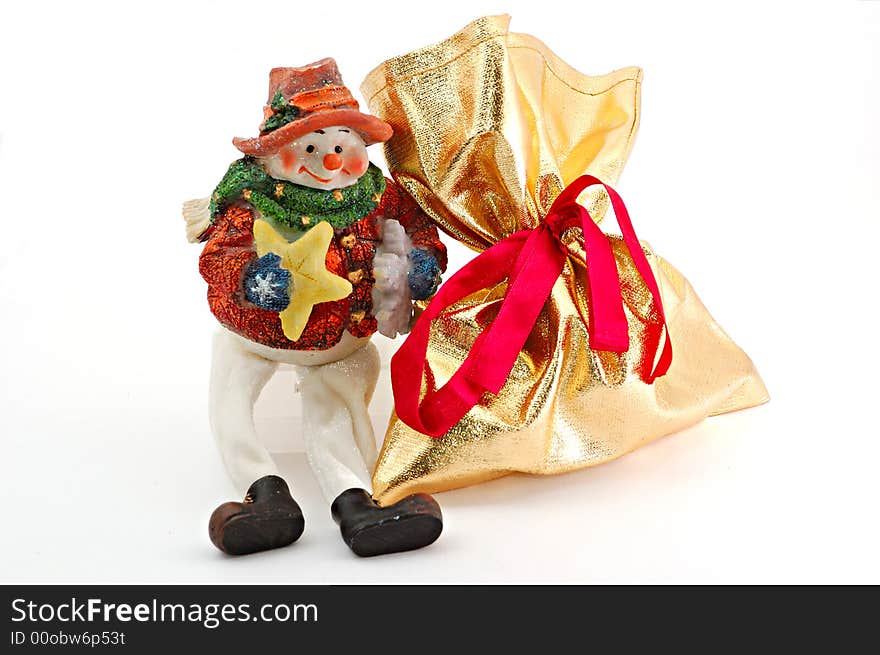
(237, 378)
(336, 425)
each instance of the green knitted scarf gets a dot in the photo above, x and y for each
(293, 205)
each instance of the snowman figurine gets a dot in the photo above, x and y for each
(310, 250)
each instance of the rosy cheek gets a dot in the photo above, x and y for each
(288, 159)
(356, 165)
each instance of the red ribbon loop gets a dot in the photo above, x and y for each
(531, 262)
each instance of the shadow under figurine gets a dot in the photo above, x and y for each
(309, 251)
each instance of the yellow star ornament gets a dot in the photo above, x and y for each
(311, 282)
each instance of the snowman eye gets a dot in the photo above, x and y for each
(310, 149)
(338, 150)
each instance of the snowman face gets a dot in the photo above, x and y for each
(330, 158)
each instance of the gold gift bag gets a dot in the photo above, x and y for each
(489, 128)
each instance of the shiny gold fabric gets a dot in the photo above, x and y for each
(489, 126)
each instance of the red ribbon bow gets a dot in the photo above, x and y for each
(531, 261)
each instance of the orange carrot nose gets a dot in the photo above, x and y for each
(332, 161)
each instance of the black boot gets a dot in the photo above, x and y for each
(368, 529)
(268, 518)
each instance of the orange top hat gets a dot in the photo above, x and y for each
(306, 99)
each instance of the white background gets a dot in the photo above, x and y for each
(755, 173)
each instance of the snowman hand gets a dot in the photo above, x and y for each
(266, 284)
(424, 274)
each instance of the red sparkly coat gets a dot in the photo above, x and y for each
(230, 247)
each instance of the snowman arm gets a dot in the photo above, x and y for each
(424, 236)
(419, 227)
(227, 252)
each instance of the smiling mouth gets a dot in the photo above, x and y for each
(320, 179)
